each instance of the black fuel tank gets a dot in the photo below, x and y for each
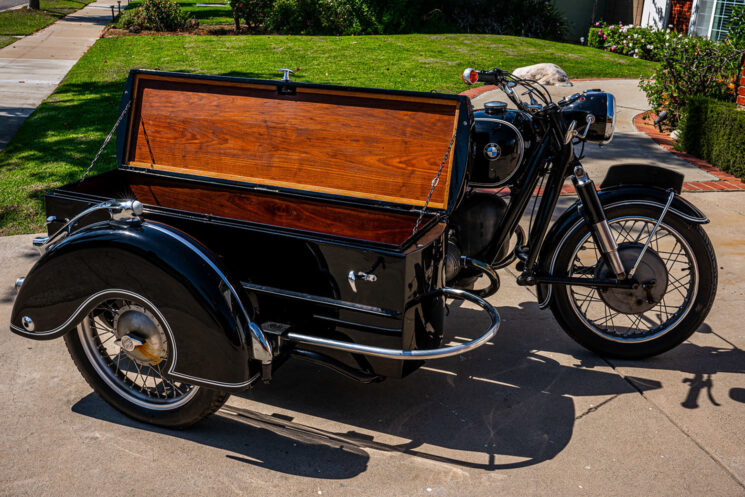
(500, 139)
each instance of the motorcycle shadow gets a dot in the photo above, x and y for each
(509, 404)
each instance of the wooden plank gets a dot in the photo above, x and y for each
(355, 144)
(275, 210)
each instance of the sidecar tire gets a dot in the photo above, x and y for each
(204, 403)
(702, 250)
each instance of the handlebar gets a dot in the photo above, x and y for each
(495, 76)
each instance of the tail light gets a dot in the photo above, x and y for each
(470, 76)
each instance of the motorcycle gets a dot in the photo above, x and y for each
(627, 270)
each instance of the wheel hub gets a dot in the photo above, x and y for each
(651, 281)
(140, 335)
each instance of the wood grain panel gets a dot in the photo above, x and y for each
(276, 210)
(383, 147)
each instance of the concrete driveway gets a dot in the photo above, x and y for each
(531, 413)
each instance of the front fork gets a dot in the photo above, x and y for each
(594, 215)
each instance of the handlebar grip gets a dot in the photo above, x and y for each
(472, 76)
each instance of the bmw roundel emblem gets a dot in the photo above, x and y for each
(492, 151)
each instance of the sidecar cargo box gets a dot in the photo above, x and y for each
(296, 186)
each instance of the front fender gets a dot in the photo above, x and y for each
(211, 335)
(609, 197)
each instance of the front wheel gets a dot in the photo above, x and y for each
(677, 284)
(121, 348)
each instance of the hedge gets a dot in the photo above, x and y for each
(715, 131)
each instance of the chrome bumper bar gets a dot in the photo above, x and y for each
(418, 355)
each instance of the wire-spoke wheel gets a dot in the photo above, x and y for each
(121, 347)
(676, 284)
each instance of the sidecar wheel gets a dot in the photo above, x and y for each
(680, 264)
(120, 349)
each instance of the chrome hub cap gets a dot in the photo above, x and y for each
(140, 335)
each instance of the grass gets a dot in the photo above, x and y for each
(205, 15)
(60, 138)
(24, 21)
(6, 40)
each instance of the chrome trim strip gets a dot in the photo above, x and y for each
(415, 355)
(260, 347)
(377, 311)
(70, 320)
(521, 147)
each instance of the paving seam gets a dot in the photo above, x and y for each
(667, 416)
(675, 424)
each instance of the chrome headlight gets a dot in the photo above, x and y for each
(602, 107)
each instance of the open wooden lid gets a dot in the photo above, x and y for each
(384, 146)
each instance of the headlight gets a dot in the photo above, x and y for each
(599, 104)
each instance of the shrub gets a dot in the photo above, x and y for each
(253, 12)
(692, 67)
(533, 18)
(322, 17)
(736, 27)
(642, 43)
(715, 131)
(157, 15)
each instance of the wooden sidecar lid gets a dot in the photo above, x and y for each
(363, 143)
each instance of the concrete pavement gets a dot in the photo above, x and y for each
(10, 4)
(628, 145)
(32, 67)
(531, 413)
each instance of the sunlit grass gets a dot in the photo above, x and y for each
(56, 144)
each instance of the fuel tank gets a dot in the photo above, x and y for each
(501, 139)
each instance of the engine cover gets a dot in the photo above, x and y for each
(499, 144)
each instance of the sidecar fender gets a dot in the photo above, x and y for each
(211, 336)
(609, 197)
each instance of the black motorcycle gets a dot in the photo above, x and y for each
(628, 270)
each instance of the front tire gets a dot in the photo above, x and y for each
(132, 381)
(612, 327)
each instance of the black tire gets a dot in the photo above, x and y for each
(196, 404)
(579, 327)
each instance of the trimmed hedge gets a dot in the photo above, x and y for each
(715, 131)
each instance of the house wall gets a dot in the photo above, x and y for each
(741, 90)
(656, 13)
(680, 15)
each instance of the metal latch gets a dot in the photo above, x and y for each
(353, 276)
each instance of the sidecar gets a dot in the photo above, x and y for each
(251, 221)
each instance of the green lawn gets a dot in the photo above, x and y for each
(205, 15)
(24, 21)
(57, 142)
(6, 40)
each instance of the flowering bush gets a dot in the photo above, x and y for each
(253, 12)
(692, 67)
(157, 15)
(642, 43)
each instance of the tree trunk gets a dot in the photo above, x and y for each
(33, 4)
(235, 18)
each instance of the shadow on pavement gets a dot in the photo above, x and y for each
(504, 406)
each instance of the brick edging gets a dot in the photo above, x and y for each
(726, 182)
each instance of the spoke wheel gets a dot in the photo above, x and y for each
(122, 348)
(671, 258)
(677, 280)
(107, 333)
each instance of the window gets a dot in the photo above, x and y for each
(710, 18)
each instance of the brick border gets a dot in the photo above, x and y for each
(726, 182)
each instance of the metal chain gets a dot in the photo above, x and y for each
(435, 182)
(106, 141)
